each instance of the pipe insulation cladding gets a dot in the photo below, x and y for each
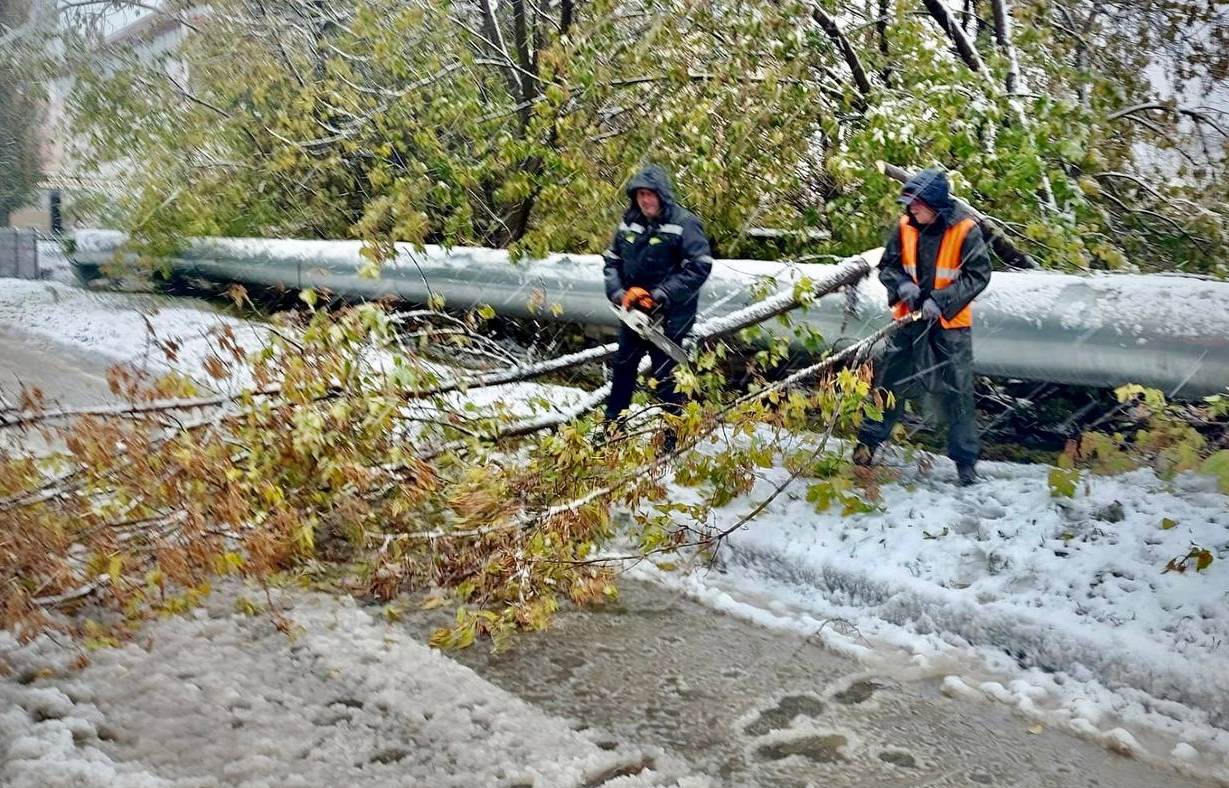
(1165, 331)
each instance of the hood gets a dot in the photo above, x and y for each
(651, 177)
(931, 187)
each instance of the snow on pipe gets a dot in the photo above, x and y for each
(1165, 331)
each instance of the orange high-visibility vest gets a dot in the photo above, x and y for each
(947, 265)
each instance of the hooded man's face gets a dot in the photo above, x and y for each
(648, 202)
(922, 213)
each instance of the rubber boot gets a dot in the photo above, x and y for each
(863, 455)
(967, 474)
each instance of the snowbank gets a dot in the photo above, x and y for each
(116, 327)
(1065, 601)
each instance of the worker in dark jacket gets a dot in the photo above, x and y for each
(657, 262)
(935, 261)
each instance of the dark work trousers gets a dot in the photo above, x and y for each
(923, 357)
(632, 348)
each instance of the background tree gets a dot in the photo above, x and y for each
(504, 124)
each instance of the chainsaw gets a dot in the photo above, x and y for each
(640, 322)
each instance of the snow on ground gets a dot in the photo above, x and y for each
(115, 327)
(53, 264)
(223, 698)
(1058, 606)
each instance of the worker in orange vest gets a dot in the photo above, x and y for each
(935, 261)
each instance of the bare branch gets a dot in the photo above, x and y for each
(26, 418)
(964, 47)
(847, 273)
(111, 5)
(1198, 115)
(833, 30)
(495, 39)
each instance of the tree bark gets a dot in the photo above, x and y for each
(964, 47)
(1002, 35)
(495, 37)
(834, 32)
(881, 29)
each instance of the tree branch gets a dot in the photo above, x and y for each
(527, 519)
(833, 30)
(964, 47)
(1002, 34)
(847, 273)
(1194, 114)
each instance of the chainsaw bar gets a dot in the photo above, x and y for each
(639, 322)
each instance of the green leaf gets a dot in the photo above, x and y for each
(821, 495)
(1167, 524)
(1153, 398)
(1063, 482)
(1217, 466)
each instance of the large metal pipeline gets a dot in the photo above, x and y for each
(1165, 331)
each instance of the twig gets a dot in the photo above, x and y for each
(77, 593)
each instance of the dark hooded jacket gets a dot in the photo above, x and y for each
(668, 256)
(931, 187)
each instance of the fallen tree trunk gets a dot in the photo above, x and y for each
(847, 273)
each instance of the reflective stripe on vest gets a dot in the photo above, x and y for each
(947, 265)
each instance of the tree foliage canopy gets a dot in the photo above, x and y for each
(512, 124)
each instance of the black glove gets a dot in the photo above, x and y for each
(930, 310)
(908, 293)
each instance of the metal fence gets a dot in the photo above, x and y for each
(18, 254)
